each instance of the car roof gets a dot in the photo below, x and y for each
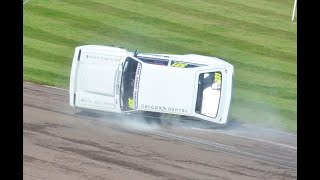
(199, 60)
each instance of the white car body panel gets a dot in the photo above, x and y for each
(96, 73)
(170, 90)
(93, 76)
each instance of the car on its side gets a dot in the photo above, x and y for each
(112, 79)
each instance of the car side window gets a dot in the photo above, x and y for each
(209, 93)
(182, 64)
(161, 62)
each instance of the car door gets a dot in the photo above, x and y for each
(213, 94)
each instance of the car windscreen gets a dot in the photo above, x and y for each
(209, 93)
(130, 84)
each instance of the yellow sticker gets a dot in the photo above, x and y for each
(130, 102)
(179, 64)
(217, 77)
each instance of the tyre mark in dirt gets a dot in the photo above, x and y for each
(240, 171)
(223, 148)
(104, 149)
(98, 156)
(246, 168)
(29, 159)
(225, 169)
(218, 146)
(211, 145)
(57, 101)
(41, 129)
(41, 92)
(263, 150)
(48, 108)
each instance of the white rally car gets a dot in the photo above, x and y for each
(111, 79)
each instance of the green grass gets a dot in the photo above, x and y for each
(256, 36)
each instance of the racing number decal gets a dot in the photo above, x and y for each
(217, 77)
(179, 64)
(130, 103)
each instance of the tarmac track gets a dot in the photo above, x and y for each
(60, 142)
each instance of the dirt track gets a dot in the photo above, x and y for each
(60, 142)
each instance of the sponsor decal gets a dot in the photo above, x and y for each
(179, 64)
(100, 59)
(130, 102)
(136, 86)
(163, 108)
(92, 101)
(217, 77)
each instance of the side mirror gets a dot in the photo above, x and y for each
(135, 53)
